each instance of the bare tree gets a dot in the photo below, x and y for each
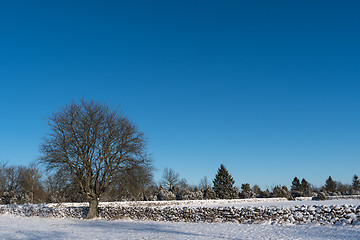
(29, 183)
(183, 184)
(21, 184)
(57, 186)
(204, 183)
(257, 190)
(170, 178)
(94, 145)
(11, 186)
(61, 188)
(133, 184)
(2, 180)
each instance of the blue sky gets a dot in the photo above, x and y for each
(270, 89)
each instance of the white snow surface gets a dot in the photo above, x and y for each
(283, 202)
(12, 227)
(15, 227)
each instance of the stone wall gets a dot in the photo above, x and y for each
(322, 214)
(338, 214)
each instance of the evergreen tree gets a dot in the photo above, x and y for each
(295, 186)
(209, 193)
(246, 191)
(355, 183)
(330, 185)
(265, 194)
(256, 189)
(224, 184)
(305, 188)
(246, 187)
(281, 192)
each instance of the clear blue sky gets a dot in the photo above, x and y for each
(270, 89)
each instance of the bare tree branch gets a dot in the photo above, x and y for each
(94, 145)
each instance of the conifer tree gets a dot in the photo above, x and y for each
(330, 185)
(281, 192)
(224, 184)
(209, 193)
(355, 183)
(246, 191)
(305, 188)
(296, 186)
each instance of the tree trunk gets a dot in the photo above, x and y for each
(93, 209)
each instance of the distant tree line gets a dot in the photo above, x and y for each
(30, 184)
(223, 187)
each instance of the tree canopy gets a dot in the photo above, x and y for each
(94, 145)
(170, 178)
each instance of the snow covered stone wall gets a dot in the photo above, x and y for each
(302, 214)
(340, 214)
(44, 210)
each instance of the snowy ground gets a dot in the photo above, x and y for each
(50, 228)
(15, 227)
(219, 203)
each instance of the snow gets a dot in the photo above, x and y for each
(50, 228)
(16, 227)
(218, 203)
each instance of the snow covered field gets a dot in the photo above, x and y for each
(50, 228)
(16, 227)
(217, 203)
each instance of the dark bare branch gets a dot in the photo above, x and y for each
(94, 145)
